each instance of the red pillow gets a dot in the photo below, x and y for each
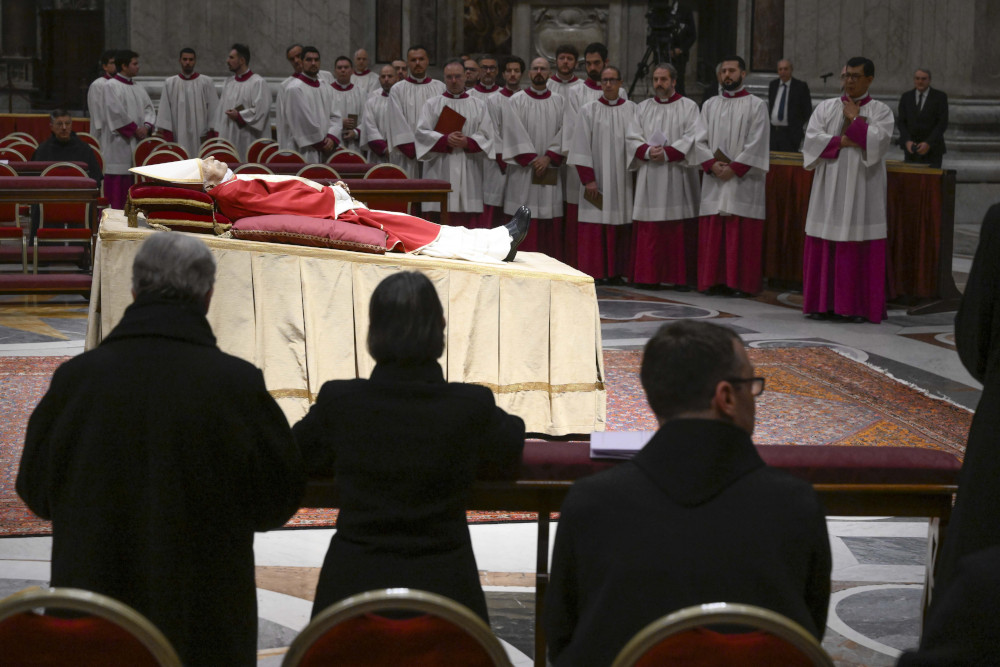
(149, 198)
(185, 221)
(314, 232)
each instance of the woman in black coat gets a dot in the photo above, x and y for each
(405, 447)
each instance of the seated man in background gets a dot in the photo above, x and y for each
(157, 456)
(249, 195)
(695, 517)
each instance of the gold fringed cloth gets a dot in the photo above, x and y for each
(530, 331)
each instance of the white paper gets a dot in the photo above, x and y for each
(618, 444)
(658, 139)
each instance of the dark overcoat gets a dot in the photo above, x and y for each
(405, 447)
(157, 456)
(695, 517)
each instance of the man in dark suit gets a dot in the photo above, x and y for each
(790, 105)
(922, 121)
(695, 517)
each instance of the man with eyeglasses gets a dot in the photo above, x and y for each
(598, 152)
(732, 211)
(846, 144)
(695, 517)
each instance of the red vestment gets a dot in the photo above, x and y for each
(243, 198)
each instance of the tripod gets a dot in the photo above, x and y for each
(657, 51)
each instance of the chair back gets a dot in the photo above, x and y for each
(173, 148)
(284, 156)
(76, 215)
(216, 140)
(318, 171)
(88, 138)
(144, 148)
(25, 137)
(443, 632)
(13, 153)
(11, 140)
(681, 638)
(254, 150)
(111, 633)
(253, 168)
(389, 170)
(220, 152)
(346, 156)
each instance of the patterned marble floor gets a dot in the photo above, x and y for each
(878, 562)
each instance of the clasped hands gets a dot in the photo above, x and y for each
(458, 140)
(722, 170)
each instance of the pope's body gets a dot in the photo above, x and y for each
(245, 195)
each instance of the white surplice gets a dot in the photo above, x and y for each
(187, 109)
(849, 190)
(310, 115)
(127, 106)
(375, 126)
(347, 100)
(667, 190)
(367, 82)
(532, 124)
(567, 89)
(464, 170)
(96, 108)
(494, 180)
(409, 96)
(740, 127)
(252, 93)
(599, 143)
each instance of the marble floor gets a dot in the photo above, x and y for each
(877, 562)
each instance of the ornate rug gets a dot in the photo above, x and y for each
(814, 396)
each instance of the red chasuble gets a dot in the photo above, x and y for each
(239, 198)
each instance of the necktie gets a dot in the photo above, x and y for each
(920, 102)
(781, 102)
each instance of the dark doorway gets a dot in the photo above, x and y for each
(71, 47)
(716, 38)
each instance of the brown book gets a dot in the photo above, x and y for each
(598, 201)
(240, 108)
(353, 116)
(449, 121)
(549, 177)
(721, 156)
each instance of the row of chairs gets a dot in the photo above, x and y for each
(435, 630)
(262, 151)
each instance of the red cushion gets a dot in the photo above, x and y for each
(373, 641)
(315, 232)
(144, 191)
(47, 182)
(704, 648)
(31, 639)
(186, 221)
(389, 183)
(11, 233)
(144, 198)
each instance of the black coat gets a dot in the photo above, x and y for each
(928, 124)
(695, 517)
(157, 457)
(798, 109)
(406, 447)
(74, 150)
(975, 521)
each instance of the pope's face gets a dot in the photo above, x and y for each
(212, 172)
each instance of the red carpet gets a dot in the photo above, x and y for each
(814, 396)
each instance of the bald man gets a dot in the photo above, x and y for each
(362, 77)
(376, 137)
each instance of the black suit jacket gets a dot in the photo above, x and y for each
(406, 447)
(695, 517)
(928, 124)
(798, 108)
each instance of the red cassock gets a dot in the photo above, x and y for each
(239, 198)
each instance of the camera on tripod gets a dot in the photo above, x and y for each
(663, 28)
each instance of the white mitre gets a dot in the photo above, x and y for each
(181, 171)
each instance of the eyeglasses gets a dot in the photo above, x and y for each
(756, 384)
(488, 68)
(610, 80)
(852, 76)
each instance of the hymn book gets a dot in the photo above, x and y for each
(721, 156)
(449, 121)
(549, 177)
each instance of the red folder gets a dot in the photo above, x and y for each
(449, 121)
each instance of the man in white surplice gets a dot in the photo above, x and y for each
(457, 157)
(666, 145)
(348, 101)
(494, 173)
(187, 106)
(95, 98)
(245, 106)
(409, 95)
(362, 77)
(129, 115)
(532, 147)
(844, 256)
(314, 124)
(731, 223)
(375, 135)
(598, 153)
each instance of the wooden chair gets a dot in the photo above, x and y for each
(318, 171)
(682, 638)
(11, 153)
(351, 632)
(111, 633)
(253, 168)
(284, 156)
(389, 170)
(253, 152)
(88, 138)
(144, 148)
(63, 223)
(220, 152)
(345, 156)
